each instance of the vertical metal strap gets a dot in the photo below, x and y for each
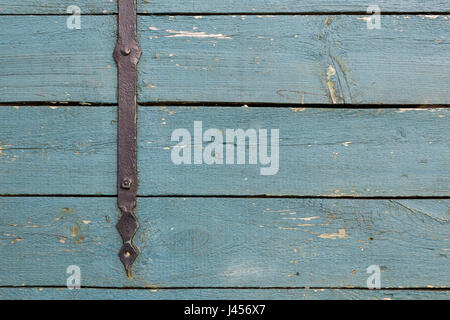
(127, 53)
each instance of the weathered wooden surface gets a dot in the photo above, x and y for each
(42, 60)
(56, 6)
(326, 152)
(290, 6)
(280, 59)
(216, 242)
(323, 152)
(49, 150)
(295, 59)
(174, 6)
(214, 294)
(248, 244)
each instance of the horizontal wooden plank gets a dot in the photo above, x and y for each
(172, 6)
(217, 294)
(56, 6)
(295, 59)
(50, 150)
(42, 60)
(322, 152)
(217, 242)
(279, 59)
(289, 6)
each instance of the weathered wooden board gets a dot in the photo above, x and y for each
(323, 152)
(279, 59)
(42, 60)
(290, 6)
(295, 59)
(50, 150)
(215, 294)
(173, 6)
(56, 6)
(216, 242)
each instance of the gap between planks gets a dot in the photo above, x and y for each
(224, 104)
(445, 289)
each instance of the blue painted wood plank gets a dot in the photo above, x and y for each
(217, 242)
(42, 60)
(282, 59)
(238, 6)
(56, 6)
(295, 59)
(172, 6)
(217, 294)
(323, 152)
(51, 150)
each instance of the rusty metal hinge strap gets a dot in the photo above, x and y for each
(126, 54)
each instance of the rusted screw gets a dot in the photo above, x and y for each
(125, 51)
(126, 183)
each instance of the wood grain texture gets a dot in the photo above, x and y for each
(216, 242)
(218, 294)
(56, 6)
(323, 152)
(173, 6)
(42, 60)
(290, 6)
(279, 59)
(50, 150)
(295, 59)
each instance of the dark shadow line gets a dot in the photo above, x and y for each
(223, 104)
(292, 13)
(62, 14)
(287, 105)
(56, 104)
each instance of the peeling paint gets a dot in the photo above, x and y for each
(74, 231)
(328, 21)
(418, 109)
(62, 239)
(430, 16)
(189, 34)
(303, 219)
(341, 234)
(330, 73)
(286, 228)
(16, 240)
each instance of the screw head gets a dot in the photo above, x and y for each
(126, 183)
(125, 51)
